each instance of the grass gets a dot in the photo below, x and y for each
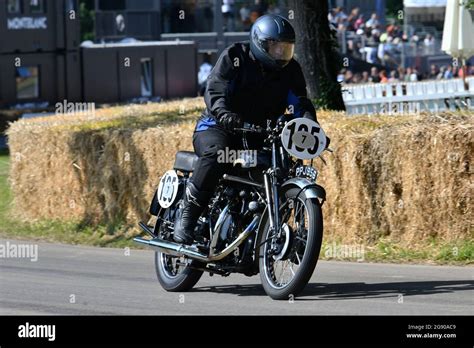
(117, 236)
(434, 252)
(120, 236)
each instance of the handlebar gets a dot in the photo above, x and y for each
(250, 128)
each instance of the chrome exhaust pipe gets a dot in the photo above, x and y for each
(175, 249)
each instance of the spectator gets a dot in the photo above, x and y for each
(357, 78)
(340, 76)
(383, 76)
(371, 49)
(419, 76)
(353, 49)
(365, 77)
(352, 19)
(244, 13)
(381, 52)
(272, 9)
(348, 76)
(339, 14)
(203, 74)
(393, 76)
(434, 71)
(374, 75)
(411, 75)
(429, 43)
(257, 10)
(442, 70)
(359, 22)
(448, 73)
(373, 22)
(401, 73)
(228, 14)
(332, 16)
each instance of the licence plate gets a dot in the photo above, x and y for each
(307, 172)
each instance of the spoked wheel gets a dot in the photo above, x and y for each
(175, 274)
(287, 263)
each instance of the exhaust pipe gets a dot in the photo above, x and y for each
(175, 249)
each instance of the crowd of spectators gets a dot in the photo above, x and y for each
(410, 74)
(368, 40)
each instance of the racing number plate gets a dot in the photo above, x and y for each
(307, 172)
(168, 189)
(304, 139)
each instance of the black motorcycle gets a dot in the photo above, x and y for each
(265, 215)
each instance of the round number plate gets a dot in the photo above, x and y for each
(303, 138)
(168, 189)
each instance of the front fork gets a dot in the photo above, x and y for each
(271, 191)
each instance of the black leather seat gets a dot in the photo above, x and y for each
(185, 161)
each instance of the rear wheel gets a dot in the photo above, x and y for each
(287, 264)
(175, 274)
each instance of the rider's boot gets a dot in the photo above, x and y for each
(193, 205)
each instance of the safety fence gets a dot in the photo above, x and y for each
(409, 97)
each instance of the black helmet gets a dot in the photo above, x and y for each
(272, 41)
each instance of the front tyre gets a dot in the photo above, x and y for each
(287, 264)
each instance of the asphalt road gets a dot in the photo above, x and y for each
(72, 280)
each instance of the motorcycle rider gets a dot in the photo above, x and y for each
(251, 82)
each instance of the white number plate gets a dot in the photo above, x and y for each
(168, 189)
(304, 138)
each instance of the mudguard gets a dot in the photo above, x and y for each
(311, 189)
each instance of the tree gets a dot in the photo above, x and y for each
(86, 15)
(317, 51)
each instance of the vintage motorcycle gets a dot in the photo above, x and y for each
(264, 217)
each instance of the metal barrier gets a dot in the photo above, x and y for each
(408, 97)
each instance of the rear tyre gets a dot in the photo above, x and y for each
(175, 274)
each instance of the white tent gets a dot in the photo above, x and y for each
(458, 33)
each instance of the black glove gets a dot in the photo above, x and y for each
(230, 121)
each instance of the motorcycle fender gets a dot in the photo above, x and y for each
(310, 189)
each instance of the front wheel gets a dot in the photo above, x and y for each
(287, 263)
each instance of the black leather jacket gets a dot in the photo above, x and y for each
(238, 84)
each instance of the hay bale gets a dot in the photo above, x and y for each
(403, 177)
(406, 178)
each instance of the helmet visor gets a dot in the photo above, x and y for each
(281, 52)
